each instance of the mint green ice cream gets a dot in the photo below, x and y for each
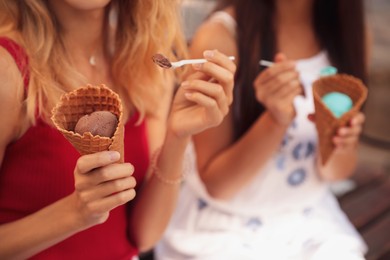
(338, 103)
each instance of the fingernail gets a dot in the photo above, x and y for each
(114, 156)
(132, 168)
(208, 54)
(188, 94)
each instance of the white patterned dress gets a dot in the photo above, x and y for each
(285, 212)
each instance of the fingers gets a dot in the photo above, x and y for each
(215, 115)
(278, 81)
(220, 59)
(294, 91)
(280, 57)
(108, 203)
(101, 184)
(349, 136)
(219, 68)
(109, 188)
(204, 98)
(283, 85)
(358, 119)
(205, 69)
(89, 162)
(217, 72)
(273, 71)
(103, 174)
(208, 89)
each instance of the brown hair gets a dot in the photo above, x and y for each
(339, 28)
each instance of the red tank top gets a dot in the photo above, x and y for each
(37, 170)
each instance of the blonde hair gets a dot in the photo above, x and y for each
(144, 27)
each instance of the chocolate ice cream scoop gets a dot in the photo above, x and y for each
(102, 123)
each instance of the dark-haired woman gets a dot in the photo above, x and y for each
(260, 191)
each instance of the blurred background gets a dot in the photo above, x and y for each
(377, 128)
(366, 197)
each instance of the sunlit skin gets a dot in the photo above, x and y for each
(102, 184)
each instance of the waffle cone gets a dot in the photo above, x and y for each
(326, 123)
(83, 101)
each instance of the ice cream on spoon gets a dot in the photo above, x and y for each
(165, 63)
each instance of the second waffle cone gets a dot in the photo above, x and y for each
(326, 123)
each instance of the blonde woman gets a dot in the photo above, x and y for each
(56, 204)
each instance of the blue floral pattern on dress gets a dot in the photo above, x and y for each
(310, 149)
(201, 204)
(254, 223)
(280, 162)
(298, 151)
(285, 140)
(303, 150)
(297, 177)
(294, 124)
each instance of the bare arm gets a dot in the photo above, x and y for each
(42, 229)
(197, 105)
(225, 167)
(11, 94)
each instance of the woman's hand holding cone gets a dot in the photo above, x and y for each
(348, 137)
(101, 184)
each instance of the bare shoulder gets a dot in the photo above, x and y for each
(11, 94)
(10, 77)
(214, 35)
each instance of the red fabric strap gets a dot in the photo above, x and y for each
(20, 57)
